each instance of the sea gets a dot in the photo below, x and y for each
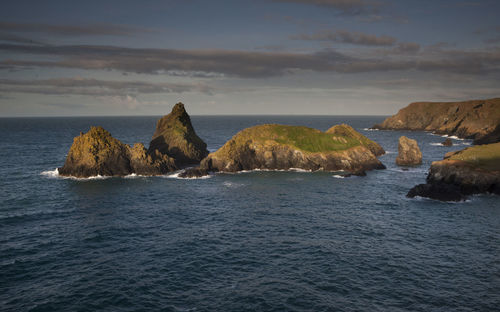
(250, 241)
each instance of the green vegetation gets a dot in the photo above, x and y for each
(299, 137)
(482, 156)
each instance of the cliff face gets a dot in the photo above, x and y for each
(408, 152)
(98, 153)
(175, 137)
(473, 170)
(279, 147)
(476, 119)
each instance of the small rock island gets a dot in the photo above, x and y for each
(409, 153)
(283, 147)
(174, 145)
(476, 119)
(470, 171)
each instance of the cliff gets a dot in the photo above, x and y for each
(473, 170)
(280, 147)
(347, 131)
(175, 137)
(477, 119)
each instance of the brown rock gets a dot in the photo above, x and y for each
(447, 142)
(175, 137)
(346, 131)
(143, 163)
(408, 152)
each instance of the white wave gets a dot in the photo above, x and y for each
(390, 152)
(465, 143)
(370, 129)
(436, 144)
(338, 176)
(54, 174)
(176, 174)
(273, 170)
(232, 185)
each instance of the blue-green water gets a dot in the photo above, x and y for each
(258, 241)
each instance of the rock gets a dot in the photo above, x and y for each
(439, 191)
(447, 142)
(175, 137)
(473, 170)
(280, 147)
(143, 163)
(408, 152)
(477, 119)
(190, 173)
(98, 153)
(347, 131)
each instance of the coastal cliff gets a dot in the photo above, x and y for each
(477, 119)
(281, 147)
(473, 170)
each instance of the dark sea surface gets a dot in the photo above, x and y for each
(256, 241)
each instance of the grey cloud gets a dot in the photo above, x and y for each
(73, 30)
(351, 7)
(17, 39)
(95, 87)
(344, 36)
(217, 63)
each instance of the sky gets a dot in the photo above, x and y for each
(231, 57)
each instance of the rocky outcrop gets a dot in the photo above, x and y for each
(175, 137)
(98, 153)
(447, 142)
(347, 131)
(478, 119)
(408, 152)
(473, 170)
(280, 147)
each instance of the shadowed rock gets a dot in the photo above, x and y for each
(447, 142)
(175, 137)
(408, 152)
(193, 173)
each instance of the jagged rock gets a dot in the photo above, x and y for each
(193, 173)
(143, 163)
(408, 152)
(477, 119)
(473, 170)
(280, 147)
(347, 131)
(447, 142)
(98, 153)
(175, 137)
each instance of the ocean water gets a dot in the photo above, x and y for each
(255, 241)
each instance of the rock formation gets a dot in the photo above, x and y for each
(447, 142)
(98, 153)
(175, 137)
(478, 119)
(347, 131)
(408, 152)
(280, 147)
(470, 171)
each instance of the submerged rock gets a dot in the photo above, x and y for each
(98, 153)
(175, 137)
(473, 170)
(408, 152)
(477, 119)
(280, 147)
(447, 142)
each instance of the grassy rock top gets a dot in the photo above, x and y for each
(486, 157)
(347, 131)
(299, 137)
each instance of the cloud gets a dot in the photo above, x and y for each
(344, 36)
(96, 87)
(351, 7)
(17, 39)
(72, 30)
(246, 64)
